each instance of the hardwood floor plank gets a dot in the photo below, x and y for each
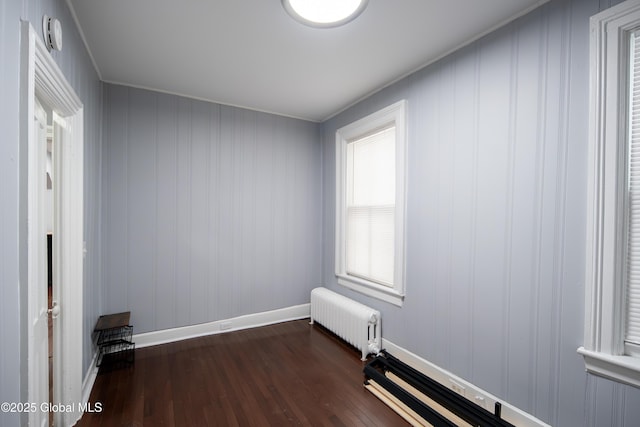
(156, 406)
(285, 374)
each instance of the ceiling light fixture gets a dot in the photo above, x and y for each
(324, 13)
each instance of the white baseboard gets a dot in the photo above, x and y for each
(87, 384)
(221, 326)
(89, 378)
(509, 412)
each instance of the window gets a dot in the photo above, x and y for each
(632, 258)
(612, 308)
(370, 197)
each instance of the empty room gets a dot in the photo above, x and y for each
(233, 213)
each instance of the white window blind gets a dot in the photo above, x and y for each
(632, 336)
(370, 207)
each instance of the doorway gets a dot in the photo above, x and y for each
(52, 286)
(46, 97)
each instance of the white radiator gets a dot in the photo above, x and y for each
(356, 323)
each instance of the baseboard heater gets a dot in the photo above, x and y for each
(422, 401)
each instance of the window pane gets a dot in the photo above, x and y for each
(371, 166)
(370, 243)
(370, 228)
(633, 199)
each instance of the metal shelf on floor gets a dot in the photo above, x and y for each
(114, 339)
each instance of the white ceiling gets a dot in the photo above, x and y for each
(251, 54)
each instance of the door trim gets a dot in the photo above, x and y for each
(42, 78)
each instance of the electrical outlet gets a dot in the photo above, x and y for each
(458, 388)
(225, 325)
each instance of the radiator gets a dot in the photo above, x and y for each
(355, 323)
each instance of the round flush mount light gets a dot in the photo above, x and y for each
(324, 13)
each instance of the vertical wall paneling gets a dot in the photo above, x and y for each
(166, 208)
(226, 237)
(522, 247)
(465, 182)
(115, 202)
(560, 243)
(182, 289)
(630, 412)
(509, 208)
(496, 199)
(10, 356)
(443, 174)
(211, 212)
(262, 214)
(196, 210)
(492, 168)
(141, 179)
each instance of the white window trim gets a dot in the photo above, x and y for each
(603, 349)
(395, 113)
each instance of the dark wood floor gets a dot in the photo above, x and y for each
(286, 374)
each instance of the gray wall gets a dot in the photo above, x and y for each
(77, 67)
(496, 217)
(10, 363)
(210, 212)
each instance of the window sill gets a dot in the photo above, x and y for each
(623, 369)
(371, 289)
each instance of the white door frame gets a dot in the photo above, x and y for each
(37, 254)
(42, 78)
